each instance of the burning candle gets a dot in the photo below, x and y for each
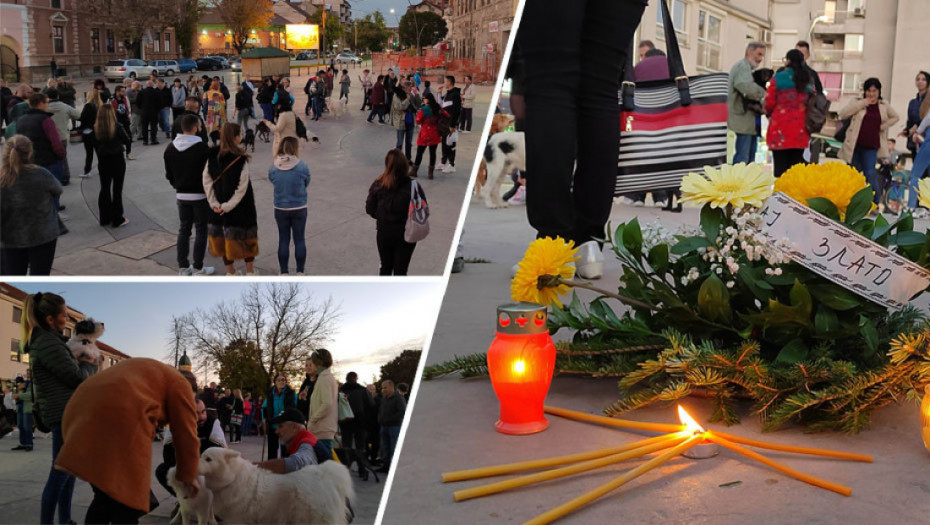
(521, 360)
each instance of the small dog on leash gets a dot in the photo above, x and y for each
(499, 123)
(504, 153)
(249, 140)
(264, 134)
(201, 506)
(83, 341)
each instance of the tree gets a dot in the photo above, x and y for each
(334, 28)
(421, 29)
(130, 20)
(241, 16)
(242, 368)
(371, 32)
(403, 368)
(185, 26)
(282, 322)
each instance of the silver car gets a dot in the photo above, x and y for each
(347, 58)
(117, 70)
(164, 67)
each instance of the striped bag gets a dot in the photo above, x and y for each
(669, 127)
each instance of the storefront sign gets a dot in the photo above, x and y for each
(841, 255)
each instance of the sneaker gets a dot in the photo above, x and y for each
(440, 166)
(458, 264)
(124, 223)
(590, 264)
(84, 175)
(206, 270)
(252, 273)
(639, 204)
(659, 204)
(519, 197)
(628, 201)
(186, 271)
(449, 169)
(130, 157)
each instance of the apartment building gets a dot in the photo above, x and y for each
(479, 29)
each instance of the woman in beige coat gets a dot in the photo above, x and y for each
(870, 117)
(324, 412)
(286, 127)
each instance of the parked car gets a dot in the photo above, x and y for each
(117, 70)
(224, 63)
(236, 64)
(311, 54)
(164, 67)
(347, 58)
(187, 64)
(209, 64)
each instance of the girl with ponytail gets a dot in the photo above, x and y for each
(29, 225)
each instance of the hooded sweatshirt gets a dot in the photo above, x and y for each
(185, 159)
(290, 177)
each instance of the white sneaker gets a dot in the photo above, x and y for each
(519, 197)
(590, 264)
(449, 169)
(638, 204)
(628, 201)
(440, 166)
(659, 204)
(254, 272)
(186, 271)
(206, 270)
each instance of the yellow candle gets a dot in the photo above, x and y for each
(846, 491)
(500, 486)
(797, 450)
(497, 470)
(613, 421)
(584, 499)
(925, 418)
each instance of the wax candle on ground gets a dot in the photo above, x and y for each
(613, 421)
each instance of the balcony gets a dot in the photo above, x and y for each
(828, 60)
(839, 22)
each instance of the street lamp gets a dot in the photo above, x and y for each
(810, 32)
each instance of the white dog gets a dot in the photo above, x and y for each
(201, 506)
(505, 152)
(84, 339)
(336, 107)
(248, 494)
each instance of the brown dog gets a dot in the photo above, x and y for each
(499, 122)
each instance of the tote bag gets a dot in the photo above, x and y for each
(417, 227)
(671, 127)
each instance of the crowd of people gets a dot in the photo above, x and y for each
(322, 420)
(206, 163)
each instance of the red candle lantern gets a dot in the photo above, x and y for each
(521, 361)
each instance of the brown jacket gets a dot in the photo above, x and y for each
(109, 423)
(856, 111)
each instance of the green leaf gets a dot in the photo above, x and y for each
(836, 297)
(869, 333)
(864, 227)
(658, 258)
(793, 352)
(711, 219)
(714, 300)
(800, 297)
(576, 308)
(760, 292)
(825, 320)
(824, 207)
(859, 206)
(909, 238)
(689, 244)
(602, 316)
(633, 238)
(905, 223)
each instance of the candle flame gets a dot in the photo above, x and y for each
(519, 366)
(688, 421)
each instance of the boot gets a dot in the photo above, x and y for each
(430, 171)
(412, 172)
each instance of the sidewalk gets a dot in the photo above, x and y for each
(23, 475)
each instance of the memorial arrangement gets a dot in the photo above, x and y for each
(791, 294)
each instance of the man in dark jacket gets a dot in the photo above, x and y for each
(66, 91)
(47, 150)
(353, 430)
(373, 429)
(390, 417)
(185, 159)
(306, 389)
(150, 102)
(191, 107)
(164, 107)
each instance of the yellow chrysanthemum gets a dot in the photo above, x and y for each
(834, 181)
(736, 186)
(545, 256)
(923, 192)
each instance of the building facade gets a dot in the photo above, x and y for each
(213, 37)
(11, 311)
(479, 29)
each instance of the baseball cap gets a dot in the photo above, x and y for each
(290, 414)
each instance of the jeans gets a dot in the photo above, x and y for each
(394, 251)
(745, 148)
(247, 424)
(377, 109)
(110, 201)
(291, 222)
(405, 139)
(242, 118)
(918, 171)
(164, 118)
(193, 214)
(328, 443)
(24, 422)
(389, 437)
(267, 112)
(58, 171)
(58, 488)
(36, 260)
(104, 509)
(366, 102)
(572, 116)
(864, 160)
(317, 103)
(135, 125)
(465, 121)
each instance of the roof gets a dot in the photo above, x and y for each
(110, 350)
(265, 52)
(295, 7)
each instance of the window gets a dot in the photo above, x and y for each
(17, 314)
(709, 29)
(95, 40)
(157, 40)
(679, 17)
(111, 47)
(14, 350)
(851, 83)
(56, 4)
(829, 9)
(853, 43)
(58, 38)
(167, 42)
(856, 4)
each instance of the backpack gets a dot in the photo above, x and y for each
(817, 108)
(417, 227)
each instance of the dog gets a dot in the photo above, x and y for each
(504, 153)
(215, 136)
(83, 341)
(201, 506)
(313, 494)
(264, 133)
(249, 140)
(336, 107)
(761, 77)
(499, 123)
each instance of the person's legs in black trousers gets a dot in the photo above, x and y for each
(104, 199)
(126, 128)
(41, 258)
(14, 261)
(201, 216)
(186, 217)
(161, 474)
(116, 168)
(272, 443)
(783, 159)
(386, 247)
(104, 509)
(403, 252)
(88, 154)
(562, 119)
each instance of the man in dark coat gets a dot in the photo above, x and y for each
(150, 102)
(354, 430)
(164, 107)
(306, 389)
(47, 150)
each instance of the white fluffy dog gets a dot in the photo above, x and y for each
(247, 494)
(201, 506)
(83, 341)
(336, 107)
(505, 152)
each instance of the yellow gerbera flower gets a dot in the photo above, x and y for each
(923, 193)
(545, 256)
(736, 186)
(834, 181)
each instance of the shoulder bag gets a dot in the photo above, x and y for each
(345, 410)
(417, 227)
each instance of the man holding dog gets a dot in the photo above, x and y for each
(299, 441)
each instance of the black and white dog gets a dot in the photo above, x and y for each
(505, 152)
(249, 140)
(83, 341)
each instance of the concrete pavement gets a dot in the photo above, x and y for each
(452, 420)
(340, 236)
(23, 475)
